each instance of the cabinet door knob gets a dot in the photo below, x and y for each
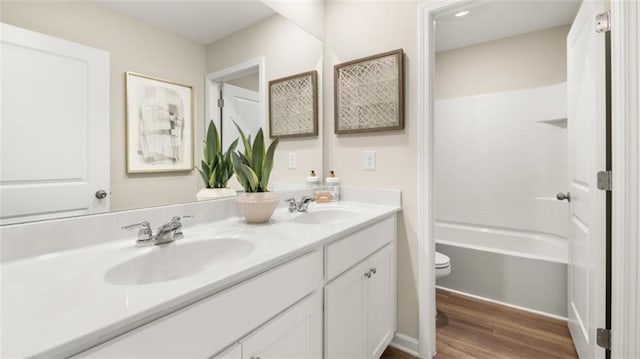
(368, 274)
(372, 270)
(100, 194)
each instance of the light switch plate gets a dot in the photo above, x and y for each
(293, 160)
(369, 158)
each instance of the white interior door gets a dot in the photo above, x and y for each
(243, 107)
(587, 131)
(54, 129)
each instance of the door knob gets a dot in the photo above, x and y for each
(100, 194)
(561, 196)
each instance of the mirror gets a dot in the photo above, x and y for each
(183, 42)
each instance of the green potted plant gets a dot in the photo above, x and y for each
(253, 167)
(217, 168)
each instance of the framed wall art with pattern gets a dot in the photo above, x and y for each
(293, 106)
(369, 94)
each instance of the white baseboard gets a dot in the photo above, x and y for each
(407, 344)
(503, 303)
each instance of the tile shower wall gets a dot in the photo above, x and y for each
(501, 158)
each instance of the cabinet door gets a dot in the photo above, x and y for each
(345, 314)
(295, 334)
(381, 297)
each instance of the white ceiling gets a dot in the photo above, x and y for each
(201, 21)
(492, 20)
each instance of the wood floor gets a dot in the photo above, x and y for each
(468, 328)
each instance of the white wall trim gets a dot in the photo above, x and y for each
(407, 344)
(426, 241)
(625, 83)
(212, 88)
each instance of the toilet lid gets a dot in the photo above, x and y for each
(442, 261)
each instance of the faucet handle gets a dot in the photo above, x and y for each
(141, 225)
(145, 234)
(304, 203)
(178, 234)
(293, 205)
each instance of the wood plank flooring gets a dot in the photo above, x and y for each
(468, 328)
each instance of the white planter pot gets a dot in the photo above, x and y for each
(214, 193)
(257, 207)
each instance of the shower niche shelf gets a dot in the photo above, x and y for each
(558, 122)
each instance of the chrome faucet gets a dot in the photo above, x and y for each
(299, 206)
(145, 234)
(167, 233)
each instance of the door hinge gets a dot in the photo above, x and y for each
(220, 102)
(604, 180)
(603, 338)
(603, 22)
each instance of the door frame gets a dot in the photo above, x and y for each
(625, 91)
(215, 79)
(625, 82)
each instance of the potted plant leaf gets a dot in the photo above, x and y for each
(253, 167)
(217, 168)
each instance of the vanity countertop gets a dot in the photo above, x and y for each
(58, 304)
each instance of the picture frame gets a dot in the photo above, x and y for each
(293, 105)
(369, 94)
(159, 125)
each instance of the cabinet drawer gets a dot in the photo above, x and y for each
(346, 252)
(204, 328)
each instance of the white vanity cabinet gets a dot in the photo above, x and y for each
(204, 328)
(345, 290)
(297, 333)
(360, 303)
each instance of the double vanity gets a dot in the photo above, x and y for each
(320, 283)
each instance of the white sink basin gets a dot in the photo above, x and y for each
(177, 260)
(324, 216)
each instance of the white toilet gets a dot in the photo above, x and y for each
(443, 265)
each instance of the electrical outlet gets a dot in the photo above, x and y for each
(369, 158)
(293, 160)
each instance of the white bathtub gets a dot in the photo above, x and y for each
(526, 270)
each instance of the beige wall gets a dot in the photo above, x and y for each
(357, 29)
(525, 61)
(249, 82)
(287, 50)
(133, 46)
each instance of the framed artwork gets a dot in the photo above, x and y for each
(293, 106)
(368, 94)
(159, 128)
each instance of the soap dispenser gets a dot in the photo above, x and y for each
(313, 180)
(333, 185)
